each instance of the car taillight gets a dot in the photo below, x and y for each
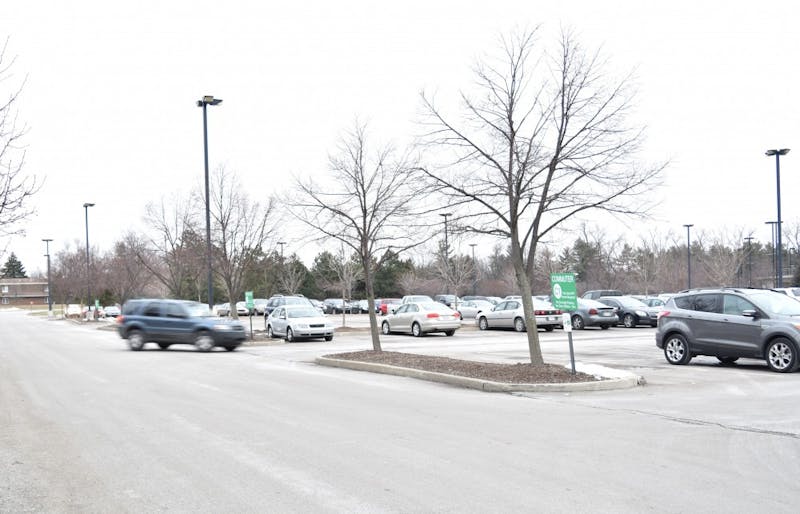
(120, 319)
(433, 315)
(592, 312)
(538, 313)
(661, 314)
(558, 311)
(457, 315)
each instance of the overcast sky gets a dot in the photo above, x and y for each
(110, 98)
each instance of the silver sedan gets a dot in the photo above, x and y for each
(419, 319)
(509, 314)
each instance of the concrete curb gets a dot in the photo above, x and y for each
(485, 385)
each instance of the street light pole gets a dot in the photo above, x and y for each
(779, 264)
(749, 240)
(446, 253)
(88, 271)
(281, 243)
(474, 270)
(49, 291)
(204, 102)
(688, 256)
(773, 260)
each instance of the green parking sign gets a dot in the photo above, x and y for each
(248, 299)
(564, 294)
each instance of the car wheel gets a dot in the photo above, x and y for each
(136, 340)
(449, 333)
(290, 335)
(727, 360)
(204, 342)
(270, 333)
(385, 329)
(329, 338)
(163, 346)
(577, 322)
(781, 355)
(416, 330)
(605, 327)
(628, 321)
(231, 348)
(519, 325)
(676, 350)
(549, 328)
(483, 324)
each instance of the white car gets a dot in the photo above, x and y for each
(469, 309)
(509, 314)
(294, 322)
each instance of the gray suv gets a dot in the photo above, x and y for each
(729, 323)
(168, 322)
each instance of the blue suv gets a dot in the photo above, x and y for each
(731, 323)
(168, 322)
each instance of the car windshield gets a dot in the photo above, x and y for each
(291, 300)
(776, 303)
(627, 301)
(197, 309)
(303, 313)
(436, 307)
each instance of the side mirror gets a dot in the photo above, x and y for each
(750, 313)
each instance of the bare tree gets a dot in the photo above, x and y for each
(369, 205)
(291, 276)
(172, 253)
(721, 255)
(546, 140)
(16, 189)
(240, 228)
(127, 274)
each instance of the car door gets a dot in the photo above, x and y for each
(739, 335)
(279, 321)
(705, 322)
(403, 317)
(507, 314)
(155, 322)
(178, 326)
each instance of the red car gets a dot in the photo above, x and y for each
(386, 305)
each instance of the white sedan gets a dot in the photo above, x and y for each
(295, 322)
(422, 318)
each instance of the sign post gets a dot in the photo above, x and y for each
(248, 300)
(565, 297)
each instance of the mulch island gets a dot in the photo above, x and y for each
(518, 373)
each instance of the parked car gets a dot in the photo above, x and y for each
(335, 305)
(494, 299)
(111, 311)
(73, 310)
(295, 322)
(416, 298)
(591, 313)
(469, 309)
(731, 323)
(280, 300)
(597, 293)
(259, 306)
(448, 299)
(222, 309)
(509, 314)
(168, 322)
(792, 292)
(653, 301)
(632, 312)
(478, 297)
(318, 304)
(387, 305)
(422, 318)
(241, 309)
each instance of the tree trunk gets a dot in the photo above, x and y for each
(373, 318)
(524, 284)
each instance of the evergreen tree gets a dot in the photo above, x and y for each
(13, 268)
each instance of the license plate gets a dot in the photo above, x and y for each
(552, 318)
(606, 314)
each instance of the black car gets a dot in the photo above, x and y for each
(731, 323)
(280, 300)
(632, 312)
(168, 322)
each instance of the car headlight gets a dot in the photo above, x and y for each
(641, 314)
(222, 326)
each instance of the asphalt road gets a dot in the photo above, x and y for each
(88, 426)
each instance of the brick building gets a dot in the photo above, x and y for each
(23, 291)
